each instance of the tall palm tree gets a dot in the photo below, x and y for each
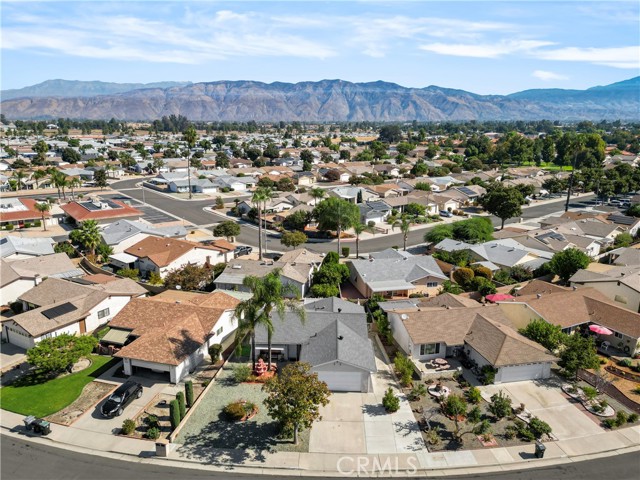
(359, 228)
(405, 226)
(90, 235)
(190, 136)
(19, 175)
(269, 295)
(43, 208)
(74, 183)
(37, 175)
(317, 193)
(248, 315)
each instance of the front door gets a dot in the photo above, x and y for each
(83, 326)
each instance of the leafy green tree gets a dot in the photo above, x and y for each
(317, 194)
(336, 214)
(503, 202)
(189, 278)
(228, 229)
(41, 148)
(100, 178)
(324, 290)
(455, 407)
(500, 405)
(294, 398)
(132, 273)
(390, 401)
(424, 186)
(634, 210)
(623, 240)
(473, 230)
(297, 220)
(548, 335)
(449, 287)
(306, 156)
(390, 134)
(69, 155)
(464, 277)
(567, 262)
(578, 352)
(415, 209)
(293, 239)
(54, 354)
(439, 233)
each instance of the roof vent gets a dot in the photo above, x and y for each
(404, 316)
(538, 295)
(236, 267)
(178, 301)
(340, 337)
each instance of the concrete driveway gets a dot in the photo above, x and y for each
(356, 423)
(545, 400)
(93, 421)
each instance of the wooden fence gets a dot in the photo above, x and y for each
(610, 390)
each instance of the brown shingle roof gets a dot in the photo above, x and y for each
(163, 251)
(535, 287)
(501, 345)
(168, 331)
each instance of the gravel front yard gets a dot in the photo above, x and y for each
(208, 436)
(91, 394)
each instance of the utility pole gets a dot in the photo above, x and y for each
(189, 173)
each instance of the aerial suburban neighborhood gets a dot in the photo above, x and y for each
(368, 276)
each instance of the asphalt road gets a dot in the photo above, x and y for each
(22, 460)
(192, 211)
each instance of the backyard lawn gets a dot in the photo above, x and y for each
(34, 395)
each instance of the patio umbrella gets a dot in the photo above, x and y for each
(498, 297)
(600, 329)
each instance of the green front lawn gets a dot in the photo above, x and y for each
(34, 395)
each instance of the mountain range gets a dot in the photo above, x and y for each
(323, 101)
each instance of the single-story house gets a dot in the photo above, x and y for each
(374, 211)
(102, 211)
(18, 211)
(171, 332)
(20, 248)
(333, 339)
(396, 274)
(122, 234)
(619, 284)
(57, 306)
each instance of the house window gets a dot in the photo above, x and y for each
(432, 284)
(103, 313)
(219, 331)
(617, 335)
(429, 348)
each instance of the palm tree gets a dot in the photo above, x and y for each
(59, 181)
(317, 193)
(19, 175)
(37, 175)
(90, 235)
(43, 208)
(74, 183)
(405, 225)
(268, 295)
(260, 196)
(359, 228)
(248, 316)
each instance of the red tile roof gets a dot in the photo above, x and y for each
(80, 214)
(31, 214)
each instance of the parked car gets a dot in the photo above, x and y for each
(118, 400)
(444, 213)
(242, 250)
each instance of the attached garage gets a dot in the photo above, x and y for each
(518, 373)
(341, 377)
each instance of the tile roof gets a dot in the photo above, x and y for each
(169, 330)
(30, 213)
(163, 251)
(79, 213)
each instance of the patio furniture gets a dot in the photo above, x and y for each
(605, 346)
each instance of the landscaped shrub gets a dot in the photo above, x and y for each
(128, 427)
(621, 418)
(235, 411)
(390, 402)
(9, 226)
(474, 415)
(633, 418)
(433, 436)
(482, 271)
(539, 428)
(214, 352)
(523, 431)
(188, 393)
(151, 421)
(463, 276)
(404, 367)
(153, 433)
(345, 252)
(417, 392)
(610, 423)
(454, 406)
(473, 395)
(510, 432)
(489, 374)
(483, 286)
(181, 404)
(589, 392)
(482, 428)
(174, 414)
(625, 362)
(500, 405)
(241, 373)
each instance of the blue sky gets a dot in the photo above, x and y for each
(484, 47)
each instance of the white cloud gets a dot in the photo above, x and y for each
(547, 76)
(484, 50)
(619, 57)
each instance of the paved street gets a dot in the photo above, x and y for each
(192, 211)
(58, 464)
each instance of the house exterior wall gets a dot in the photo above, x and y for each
(18, 336)
(421, 286)
(10, 293)
(442, 353)
(128, 242)
(400, 333)
(196, 256)
(114, 304)
(475, 356)
(620, 293)
(357, 281)
(519, 313)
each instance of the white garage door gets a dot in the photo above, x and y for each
(342, 381)
(522, 372)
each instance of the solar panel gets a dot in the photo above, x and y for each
(59, 310)
(621, 219)
(467, 191)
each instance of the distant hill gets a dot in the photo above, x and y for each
(76, 88)
(323, 101)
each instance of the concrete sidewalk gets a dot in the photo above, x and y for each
(309, 464)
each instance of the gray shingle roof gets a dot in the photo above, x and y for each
(396, 273)
(116, 232)
(333, 304)
(11, 245)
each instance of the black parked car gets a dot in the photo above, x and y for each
(242, 250)
(118, 400)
